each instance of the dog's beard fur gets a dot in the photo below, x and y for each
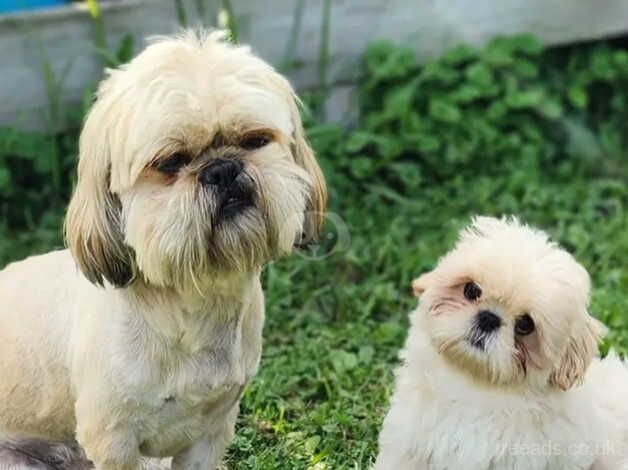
(190, 241)
(520, 272)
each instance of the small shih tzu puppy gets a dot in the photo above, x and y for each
(194, 171)
(499, 369)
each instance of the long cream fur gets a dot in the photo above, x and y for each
(536, 401)
(138, 341)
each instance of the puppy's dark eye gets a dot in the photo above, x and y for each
(255, 141)
(173, 163)
(472, 291)
(524, 325)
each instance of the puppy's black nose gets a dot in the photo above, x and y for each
(487, 321)
(221, 172)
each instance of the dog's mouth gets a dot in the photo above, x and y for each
(234, 205)
(235, 200)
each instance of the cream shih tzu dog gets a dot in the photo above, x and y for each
(499, 371)
(194, 171)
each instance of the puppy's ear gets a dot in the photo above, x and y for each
(304, 156)
(580, 351)
(92, 224)
(422, 283)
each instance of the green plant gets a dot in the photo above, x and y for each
(35, 184)
(55, 117)
(323, 54)
(121, 55)
(472, 111)
(110, 58)
(289, 61)
(231, 24)
(181, 13)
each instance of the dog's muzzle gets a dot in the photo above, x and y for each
(486, 323)
(232, 186)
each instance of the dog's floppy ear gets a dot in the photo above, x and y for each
(580, 351)
(422, 283)
(92, 224)
(304, 156)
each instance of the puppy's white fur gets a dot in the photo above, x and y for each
(520, 402)
(146, 349)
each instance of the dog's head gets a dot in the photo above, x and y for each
(192, 162)
(509, 307)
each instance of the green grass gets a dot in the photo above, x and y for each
(334, 326)
(404, 183)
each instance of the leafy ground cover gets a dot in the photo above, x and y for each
(506, 129)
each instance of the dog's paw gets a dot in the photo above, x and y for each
(155, 464)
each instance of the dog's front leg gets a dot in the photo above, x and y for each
(107, 441)
(207, 452)
(109, 450)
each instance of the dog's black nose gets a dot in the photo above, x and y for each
(487, 321)
(221, 172)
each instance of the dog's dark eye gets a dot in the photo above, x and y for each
(255, 141)
(173, 163)
(472, 291)
(524, 325)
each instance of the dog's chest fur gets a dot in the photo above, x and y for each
(169, 422)
(183, 375)
(440, 420)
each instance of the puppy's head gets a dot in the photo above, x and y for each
(192, 162)
(509, 307)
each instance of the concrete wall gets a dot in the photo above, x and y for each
(63, 36)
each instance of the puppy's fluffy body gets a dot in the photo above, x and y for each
(505, 401)
(193, 173)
